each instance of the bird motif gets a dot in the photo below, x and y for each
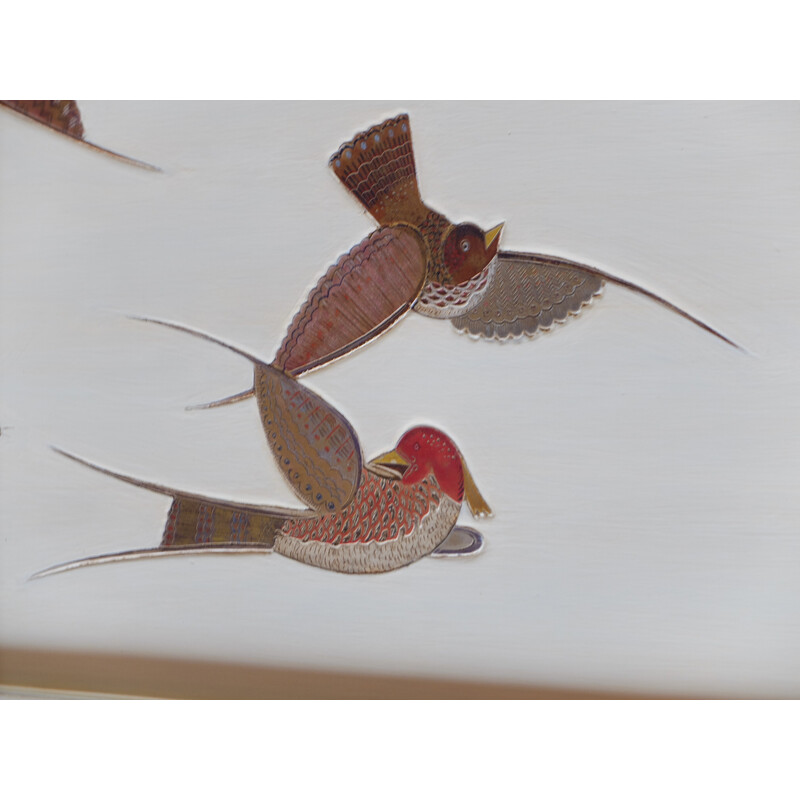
(361, 517)
(419, 260)
(64, 116)
(379, 169)
(480, 289)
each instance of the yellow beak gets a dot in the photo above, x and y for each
(491, 235)
(391, 459)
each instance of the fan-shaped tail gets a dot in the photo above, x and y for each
(377, 166)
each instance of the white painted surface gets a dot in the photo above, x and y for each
(644, 476)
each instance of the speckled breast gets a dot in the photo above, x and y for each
(445, 300)
(388, 525)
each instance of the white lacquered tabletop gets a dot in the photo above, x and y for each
(644, 476)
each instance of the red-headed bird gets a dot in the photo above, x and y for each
(361, 517)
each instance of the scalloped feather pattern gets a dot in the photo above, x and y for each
(528, 295)
(447, 300)
(378, 167)
(363, 293)
(387, 526)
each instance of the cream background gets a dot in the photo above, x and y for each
(643, 475)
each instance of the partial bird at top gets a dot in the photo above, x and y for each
(418, 259)
(64, 116)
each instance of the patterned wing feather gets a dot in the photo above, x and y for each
(528, 294)
(377, 166)
(192, 521)
(359, 297)
(314, 446)
(61, 115)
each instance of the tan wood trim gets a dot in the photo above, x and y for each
(141, 676)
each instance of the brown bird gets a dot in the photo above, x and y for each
(483, 291)
(420, 260)
(373, 517)
(63, 116)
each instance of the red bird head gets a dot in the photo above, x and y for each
(468, 249)
(423, 451)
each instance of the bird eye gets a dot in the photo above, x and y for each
(464, 245)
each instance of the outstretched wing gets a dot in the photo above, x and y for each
(357, 299)
(529, 293)
(377, 166)
(315, 447)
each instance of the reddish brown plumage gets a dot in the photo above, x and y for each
(479, 290)
(378, 167)
(359, 296)
(61, 115)
(64, 117)
(383, 509)
(390, 522)
(466, 253)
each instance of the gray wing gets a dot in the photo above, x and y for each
(530, 293)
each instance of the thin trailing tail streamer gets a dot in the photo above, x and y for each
(63, 117)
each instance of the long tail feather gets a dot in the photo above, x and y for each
(225, 401)
(170, 492)
(313, 444)
(153, 552)
(133, 162)
(63, 117)
(236, 398)
(200, 335)
(195, 524)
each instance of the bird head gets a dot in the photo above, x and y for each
(423, 451)
(468, 249)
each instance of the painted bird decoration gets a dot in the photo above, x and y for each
(419, 260)
(64, 117)
(360, 517)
